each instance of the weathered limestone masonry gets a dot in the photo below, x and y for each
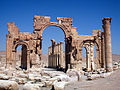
(55, 58)
(32, 45)
(108, 49)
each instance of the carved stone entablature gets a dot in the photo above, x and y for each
(40, 23)
(40, 20)
(66, 21)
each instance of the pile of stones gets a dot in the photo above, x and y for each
(99, 73)
(36, 78)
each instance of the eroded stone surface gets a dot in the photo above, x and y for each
(8, 85)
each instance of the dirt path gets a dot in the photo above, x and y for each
(110, 83)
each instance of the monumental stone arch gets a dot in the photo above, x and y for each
(24, 54)
(90, 59)
(32, 44)
(40, 23)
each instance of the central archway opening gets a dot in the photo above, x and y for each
(21, 56)
(53, 56)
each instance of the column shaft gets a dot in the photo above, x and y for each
(108, 48)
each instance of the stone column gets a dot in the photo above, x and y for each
(108, 49)
(49, 53)
(80, 58)
(103, 51)
(55, 55)
(28, 59)
(88, 62)
(92, 56)
(98, 58)
(61, 54)
(53, 52)
(13, 60)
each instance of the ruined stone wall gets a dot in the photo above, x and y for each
(88, 42)
(28, 40)
(73, 45)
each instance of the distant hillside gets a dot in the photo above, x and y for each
(2, 52)
(116, 57)
(44, 57)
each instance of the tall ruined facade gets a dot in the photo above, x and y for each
(32, 44)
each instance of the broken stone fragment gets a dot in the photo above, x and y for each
(103, 75)
(115, 63)
(93, 76)
(115, 67)
(31, 77)
(4, 77)
(74, 73)
(60, 85)
(28, 86)
(8, 85)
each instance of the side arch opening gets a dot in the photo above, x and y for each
(21, 56)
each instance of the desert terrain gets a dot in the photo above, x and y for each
(107, 82)
(111, 82)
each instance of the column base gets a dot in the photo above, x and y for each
(88, 70)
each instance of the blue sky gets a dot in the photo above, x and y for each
(87, 16)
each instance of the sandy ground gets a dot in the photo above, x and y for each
(109, 83)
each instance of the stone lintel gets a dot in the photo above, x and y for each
(67, 21)
(64, 19)
(41, 17)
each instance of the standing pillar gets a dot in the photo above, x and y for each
(107, 36)
(28, 59)
(56, 56)
(53, 52)
(88, 62)
(61, 54)
(13, 60)
(49, 58)
(103, 51)
(92, 56)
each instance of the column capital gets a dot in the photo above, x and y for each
(106, 20)
(61, 42)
